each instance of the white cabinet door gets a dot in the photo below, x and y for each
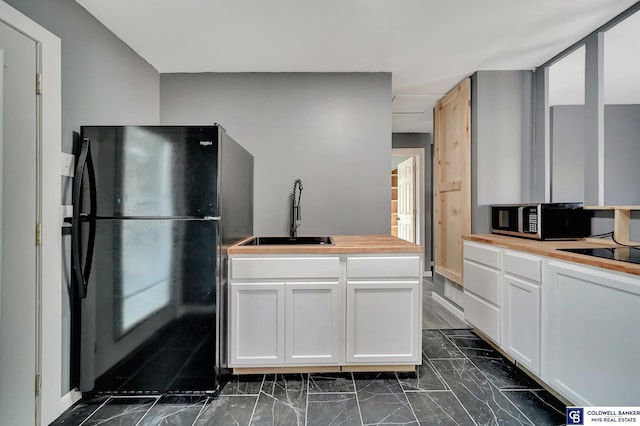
(257, 324)
(383, 322)
(311, 323)
(521, 337)
(591, 343)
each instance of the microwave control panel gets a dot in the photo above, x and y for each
(530, 220)
(533, 222)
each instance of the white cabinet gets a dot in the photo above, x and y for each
(305, 311)
(574, 326)
(521, 310)
(313, 313)
(257, 324)
(591, 341)
(384, 322)
(284, 310)
(482, 288)
(384, 310)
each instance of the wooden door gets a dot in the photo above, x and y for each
(406, 200)
(452, 180)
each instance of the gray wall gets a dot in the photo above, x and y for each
(567, 152)
(537, 191)
(103, 82)
(331, 130)
(621, 154)
(501, 141)
(422, 140)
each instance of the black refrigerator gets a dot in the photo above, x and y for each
(154, 208)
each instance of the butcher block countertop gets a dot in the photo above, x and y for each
(550, 249)
(343, 244)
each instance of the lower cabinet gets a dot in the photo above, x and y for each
(383, 322)
(285, 323)
(521, 321)
(312, 322)
(521, 308)
(325, 311)
(590, 335)
(482, 296)
(572, 325)
(257, 323)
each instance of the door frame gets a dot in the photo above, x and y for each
(420, 202)
(49, 403)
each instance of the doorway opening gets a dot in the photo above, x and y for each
(407, 194)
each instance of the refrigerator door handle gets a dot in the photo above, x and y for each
(82, 273)
(220, 306)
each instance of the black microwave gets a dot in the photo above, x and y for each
(541, 221)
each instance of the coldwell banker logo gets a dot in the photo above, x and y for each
(575, 416)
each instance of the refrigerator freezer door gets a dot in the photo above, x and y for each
(149, 318)
(150, 171)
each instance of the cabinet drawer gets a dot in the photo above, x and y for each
(522, 265)
(482, 315)
(383, 267)
(482, 253)
(482, 281)
(285, 267)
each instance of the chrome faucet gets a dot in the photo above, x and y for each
(295, 208)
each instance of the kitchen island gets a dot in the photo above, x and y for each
(355, 305)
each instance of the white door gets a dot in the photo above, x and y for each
(406, 200)
(18, 222)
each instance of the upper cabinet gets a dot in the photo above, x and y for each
(590, 135)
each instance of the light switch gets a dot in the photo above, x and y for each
(66, 164)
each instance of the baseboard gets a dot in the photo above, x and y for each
(427, 274)
(448, 305)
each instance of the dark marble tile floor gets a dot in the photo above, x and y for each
(462, 381)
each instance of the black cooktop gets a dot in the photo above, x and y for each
(624, 254)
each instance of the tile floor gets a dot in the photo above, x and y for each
(462, 381)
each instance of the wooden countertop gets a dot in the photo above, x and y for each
(343, 244)
(550, 249)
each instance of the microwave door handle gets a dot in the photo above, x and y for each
(520, 219)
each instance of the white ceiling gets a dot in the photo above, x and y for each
(427, 45)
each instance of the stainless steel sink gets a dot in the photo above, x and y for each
(287, 241)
